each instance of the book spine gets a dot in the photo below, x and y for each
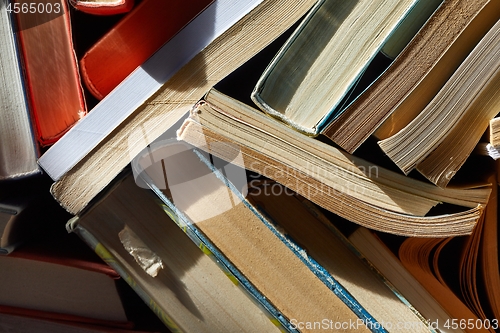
(101, 251)
(20, 68)
(54, 108)
(276, 317)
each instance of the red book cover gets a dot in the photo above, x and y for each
(133, 40)
(104, 7)
(50, 67)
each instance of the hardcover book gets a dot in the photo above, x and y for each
(50, 69)
(103, 7)
(133, 40)
(18, 148)
(324, 58)
(61, 279)
(302, 262)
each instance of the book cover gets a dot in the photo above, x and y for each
(325, 58)
(58, 277)
(18, 148)
(188, 283)
(50, 69)
(133, 40)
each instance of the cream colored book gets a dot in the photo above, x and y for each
(416, 75)
(439, 140)
(279, 241)
(183, 285)
(344, 184)
(324, 58)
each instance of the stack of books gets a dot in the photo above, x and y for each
(265, 165)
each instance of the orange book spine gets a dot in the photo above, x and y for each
(50, 68)
(133, 40)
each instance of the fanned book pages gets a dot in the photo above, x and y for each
(439, 140)
(461, 273)
(18, 148)
(344, 184)
(50, 69)
(133, 40)
(456, 279)
(479, 276)
(187, 289)
(495, 132)
(305, 269)
(306, 82)
(384, 261)
(123, 123)
(415, 254)
(416, 75)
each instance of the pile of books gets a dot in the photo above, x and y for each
(270, 165)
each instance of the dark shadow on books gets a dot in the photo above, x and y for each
(161, 238)
(240, 83)
(183, 48)
(168, 278)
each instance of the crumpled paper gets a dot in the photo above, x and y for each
(149, 261)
